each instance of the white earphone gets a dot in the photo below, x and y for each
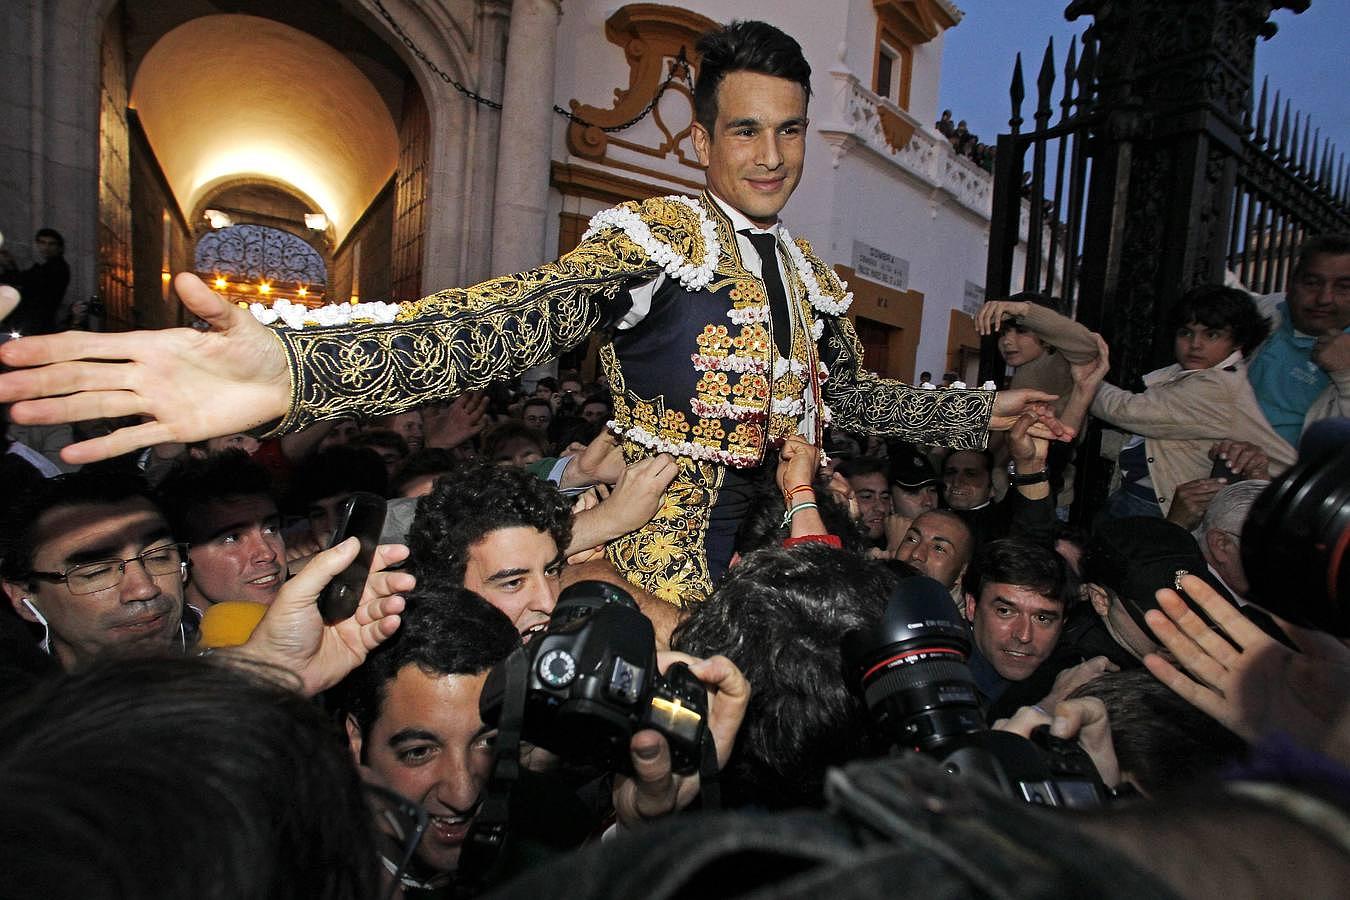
(42, 620)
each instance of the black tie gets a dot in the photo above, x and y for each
(766, 245)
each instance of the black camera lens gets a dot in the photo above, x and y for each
(1296, 543)
(911, 668)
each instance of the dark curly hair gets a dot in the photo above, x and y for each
(744, 46)
(1216, 306)
(474, 499)
(193, 483)
(779, 616)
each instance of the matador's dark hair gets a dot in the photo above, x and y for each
(745, 46)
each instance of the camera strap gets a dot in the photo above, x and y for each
(482, 856)
(709, 775)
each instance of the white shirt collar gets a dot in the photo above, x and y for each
(739, 222)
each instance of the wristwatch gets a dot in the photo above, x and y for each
(1030, 478)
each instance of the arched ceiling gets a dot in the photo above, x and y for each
(228, 97)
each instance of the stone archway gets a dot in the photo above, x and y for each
(71, 161)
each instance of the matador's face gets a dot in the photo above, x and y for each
(754, 153)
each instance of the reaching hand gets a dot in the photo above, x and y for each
(1074, 677)
(896, 526)
(600, 463)
(1260, 686)
(798, 461)
(1028, 452)
(654, 790)
(992, 314)
(449, 425)
(189, 385)
(1009, 405)
(1244, 460)
(637, 494)
(1083, 719)
(1191, 499)
(292, 634)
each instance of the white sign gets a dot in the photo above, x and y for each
(880, 266)
(974, 299)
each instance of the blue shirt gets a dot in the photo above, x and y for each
(1285, 378)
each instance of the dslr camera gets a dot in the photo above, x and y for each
(912, 671)
(590, 682)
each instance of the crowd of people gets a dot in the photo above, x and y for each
(965, 142)
(177, 717)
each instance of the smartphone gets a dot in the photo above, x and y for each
(1220, 470)
(362, 518)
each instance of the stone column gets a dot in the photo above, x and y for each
(485, 128)
(524, 148)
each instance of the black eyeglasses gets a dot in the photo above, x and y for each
(92, 577)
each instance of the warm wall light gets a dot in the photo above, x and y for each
(221, 284)
(302, 292)
(166, 276)
(316, 221)
(218, 219)
(264, 288)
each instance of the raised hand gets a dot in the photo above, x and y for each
(1254, 685)
(992, 314)
(452, 424)
(798, 462)
(637, 494)
(292, 635)
(188, 385)
(1009, 405)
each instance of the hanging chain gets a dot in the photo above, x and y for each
(679, 67)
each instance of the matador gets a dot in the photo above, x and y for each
(699, 366)
(723, 337)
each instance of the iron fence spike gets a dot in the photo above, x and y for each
(1261, 113)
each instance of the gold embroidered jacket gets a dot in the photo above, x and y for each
(465, 338)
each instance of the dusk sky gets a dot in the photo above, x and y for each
(1307, 61)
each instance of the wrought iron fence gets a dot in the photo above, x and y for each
(1043, 208)
(1289, 186)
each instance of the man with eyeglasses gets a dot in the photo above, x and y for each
(92, 561)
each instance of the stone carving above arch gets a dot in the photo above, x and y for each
(652, 36)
